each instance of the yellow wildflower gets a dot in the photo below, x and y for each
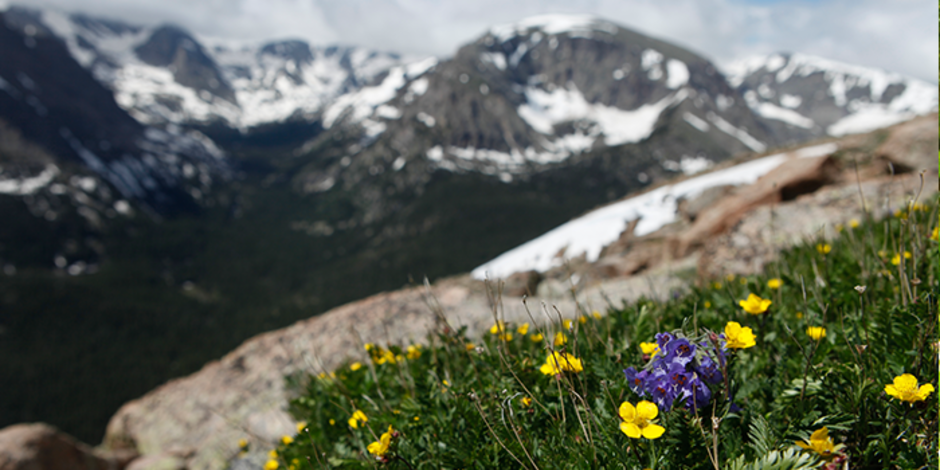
(507, 336)
(708, 304)
(896, 260)
(557, 363)
(649, 348)
(332, 422)
(716, 285)
(272, 453)
(935, 236)
(816, 332)
(774, 283)
(537, 337)
(743, 281)
(380, 447)
(738, 337)
(526, 402)
(560, 339)
(839, 228)
(596, 315)
(355, 366)
(414, 351)
(582, 319)
(417, 418)
(823, 248)
(242, 443)
(369, 346)
(271, 465)
(287, 440)
(469, 346)
(799, 315)
(358, 417)
(523, 329)
(821, 443)
(636, 420)
(498, 328)
(729, 277)
(853, 223)
(905, 389)
(754, 304)
(301, 426)
(382, 356)
(566, 323)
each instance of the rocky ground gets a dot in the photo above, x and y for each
(195, 422)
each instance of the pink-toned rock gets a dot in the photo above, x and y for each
(759, 236)
(794, 177)
(39, 446)
(911, 146)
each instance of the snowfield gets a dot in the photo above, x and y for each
(589, 234)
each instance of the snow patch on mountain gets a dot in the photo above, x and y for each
(772, 111)
(589, 234)
(739, 134)
(29, 185)
(677, 73)
(361, 106)
(544, 109)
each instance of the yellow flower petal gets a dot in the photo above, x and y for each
(627, 412)
(905, 382)
(924, 390)
(631, 430)
(820, 434)
(653, 431)
(646, 410)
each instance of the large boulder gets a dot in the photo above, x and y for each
(39, 446)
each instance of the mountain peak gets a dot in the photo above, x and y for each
(553, 24)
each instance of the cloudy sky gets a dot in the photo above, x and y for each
(897, 35)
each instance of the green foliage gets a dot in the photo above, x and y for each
(488, 405)
(789, 459)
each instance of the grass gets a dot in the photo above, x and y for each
(458, 402)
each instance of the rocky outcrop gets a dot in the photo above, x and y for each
(41, 447)
(794, 177)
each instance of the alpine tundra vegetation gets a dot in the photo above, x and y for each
(835, 368)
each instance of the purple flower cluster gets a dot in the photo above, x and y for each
(681, 371)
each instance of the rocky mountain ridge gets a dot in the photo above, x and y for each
(817, 96)
(164, 75)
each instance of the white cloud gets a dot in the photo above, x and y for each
(899, 36)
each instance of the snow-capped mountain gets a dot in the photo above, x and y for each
(166, 75)
(803, 96)
(48, 98)
(551, 87)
